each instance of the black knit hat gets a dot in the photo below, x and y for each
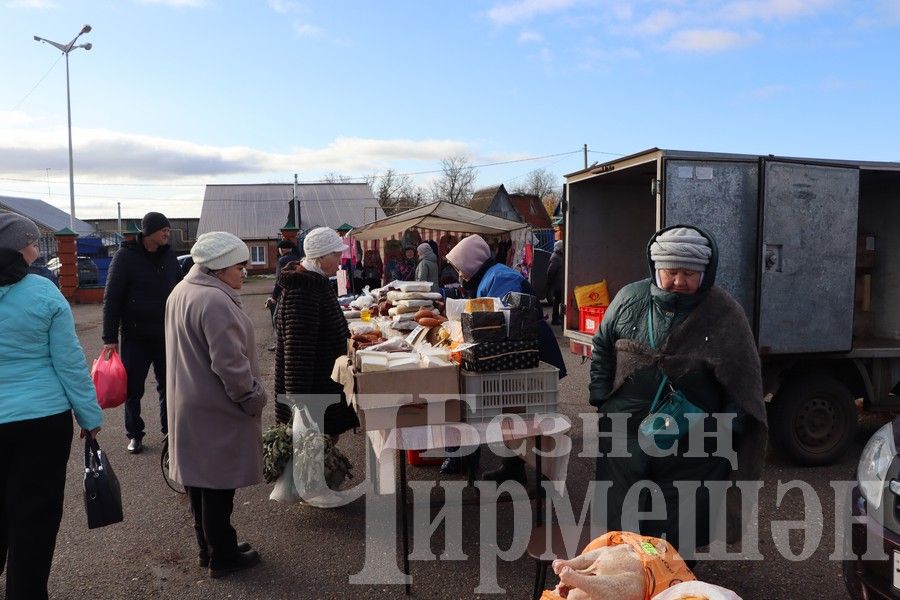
(153, 222)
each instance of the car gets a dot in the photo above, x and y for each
(88, 273)
(185, 262)
(871, 561)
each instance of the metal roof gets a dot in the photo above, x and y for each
(45, 215)
(259, 211)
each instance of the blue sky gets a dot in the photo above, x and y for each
(179, 93)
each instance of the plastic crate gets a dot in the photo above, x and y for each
(523, 392)
(589, 318)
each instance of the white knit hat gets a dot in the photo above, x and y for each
(219, 250)
(680, 248)
(321, 241)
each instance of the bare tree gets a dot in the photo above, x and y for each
(332, 177)
(543, 184)
(395, 192)
(457, 181)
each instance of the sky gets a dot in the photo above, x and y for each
(177, 94)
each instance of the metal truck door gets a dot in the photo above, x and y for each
(808, 257)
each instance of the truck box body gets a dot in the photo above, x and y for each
(809, 248)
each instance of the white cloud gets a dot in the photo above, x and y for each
(524, 10)
(657, 23)
(528, 37)
(308, 31)
(832, 83)
(285, 6)
(708, 40)
(745, 10)
(108, 155)
(14, 118)
(546, 55)
(36, 4)
(767, 92)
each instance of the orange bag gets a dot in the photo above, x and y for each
(110, 380)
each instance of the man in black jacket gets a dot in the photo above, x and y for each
(555, 280)
(141, 276)
(287, 252)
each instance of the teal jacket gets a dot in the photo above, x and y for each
(42, 366)
(626, 318)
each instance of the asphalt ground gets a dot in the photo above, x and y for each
(312, 553)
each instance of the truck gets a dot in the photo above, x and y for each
(797, 241)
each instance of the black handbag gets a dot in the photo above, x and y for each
(102, 494)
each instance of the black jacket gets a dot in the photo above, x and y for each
(137, 286)
(555, 274)
(282, 262)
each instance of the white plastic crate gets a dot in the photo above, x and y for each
(524, 392)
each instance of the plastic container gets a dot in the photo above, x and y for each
(523, 392)
(590, 317)
(414, 458)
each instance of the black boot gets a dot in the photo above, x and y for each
(237, 562)
(203, 556)
(511, 469)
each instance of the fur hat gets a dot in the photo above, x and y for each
(321, 241)
(153, 222)
(680, 248)
(219, 250)
(469, 255)
(17, 231)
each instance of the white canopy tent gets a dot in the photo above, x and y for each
(442, 216)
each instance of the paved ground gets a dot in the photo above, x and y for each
(311, 553)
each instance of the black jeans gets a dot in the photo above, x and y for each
(137, 356)
(33, 458)
(556, 297)
(212, 523)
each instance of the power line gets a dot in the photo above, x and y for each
(25, 97)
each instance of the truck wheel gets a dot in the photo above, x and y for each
(813, 420)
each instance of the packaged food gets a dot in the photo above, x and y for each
(415, 303)
(413, 286)
(394, 296)
(507, 355)
(483, 326)
(479, 305)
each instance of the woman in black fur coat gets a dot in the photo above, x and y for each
(312, 333)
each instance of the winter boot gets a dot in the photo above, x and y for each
(512, 468)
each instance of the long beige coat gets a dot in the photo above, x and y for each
(215, 396)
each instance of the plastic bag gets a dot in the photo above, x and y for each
(594, 294)
(110, 379)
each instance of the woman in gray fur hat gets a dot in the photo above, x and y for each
(676, 331)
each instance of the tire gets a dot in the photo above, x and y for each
(164, 465)
(813, 419)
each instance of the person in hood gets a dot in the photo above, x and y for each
(216, 397)
(141, 276)
(45, 379)
(555, 280)
(427, 269)
(482, 276)
(676, 331)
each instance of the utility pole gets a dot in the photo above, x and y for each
(119, 222)
(296, 208)
(585, 156)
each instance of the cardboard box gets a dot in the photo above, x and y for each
(408, 398)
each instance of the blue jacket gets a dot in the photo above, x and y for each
(500, 279)
(42, 366)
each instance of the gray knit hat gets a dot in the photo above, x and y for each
(17, 231)
(680, 248)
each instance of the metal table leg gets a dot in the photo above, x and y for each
(404, 518)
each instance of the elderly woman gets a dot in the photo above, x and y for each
(215, 397)
(482, 277)
(312, 331)
(676, 331)
(427, 269)
(45, 378)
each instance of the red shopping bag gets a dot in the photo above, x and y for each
(110, 379)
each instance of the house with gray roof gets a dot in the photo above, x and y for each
(47, 217)
(257, 213)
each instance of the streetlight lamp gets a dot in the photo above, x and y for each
(65, 49)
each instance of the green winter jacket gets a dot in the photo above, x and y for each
(626, 318)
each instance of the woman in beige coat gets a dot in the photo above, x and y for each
(215, 397)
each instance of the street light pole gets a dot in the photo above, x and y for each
(65, 49)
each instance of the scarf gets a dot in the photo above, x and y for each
(13, 267)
